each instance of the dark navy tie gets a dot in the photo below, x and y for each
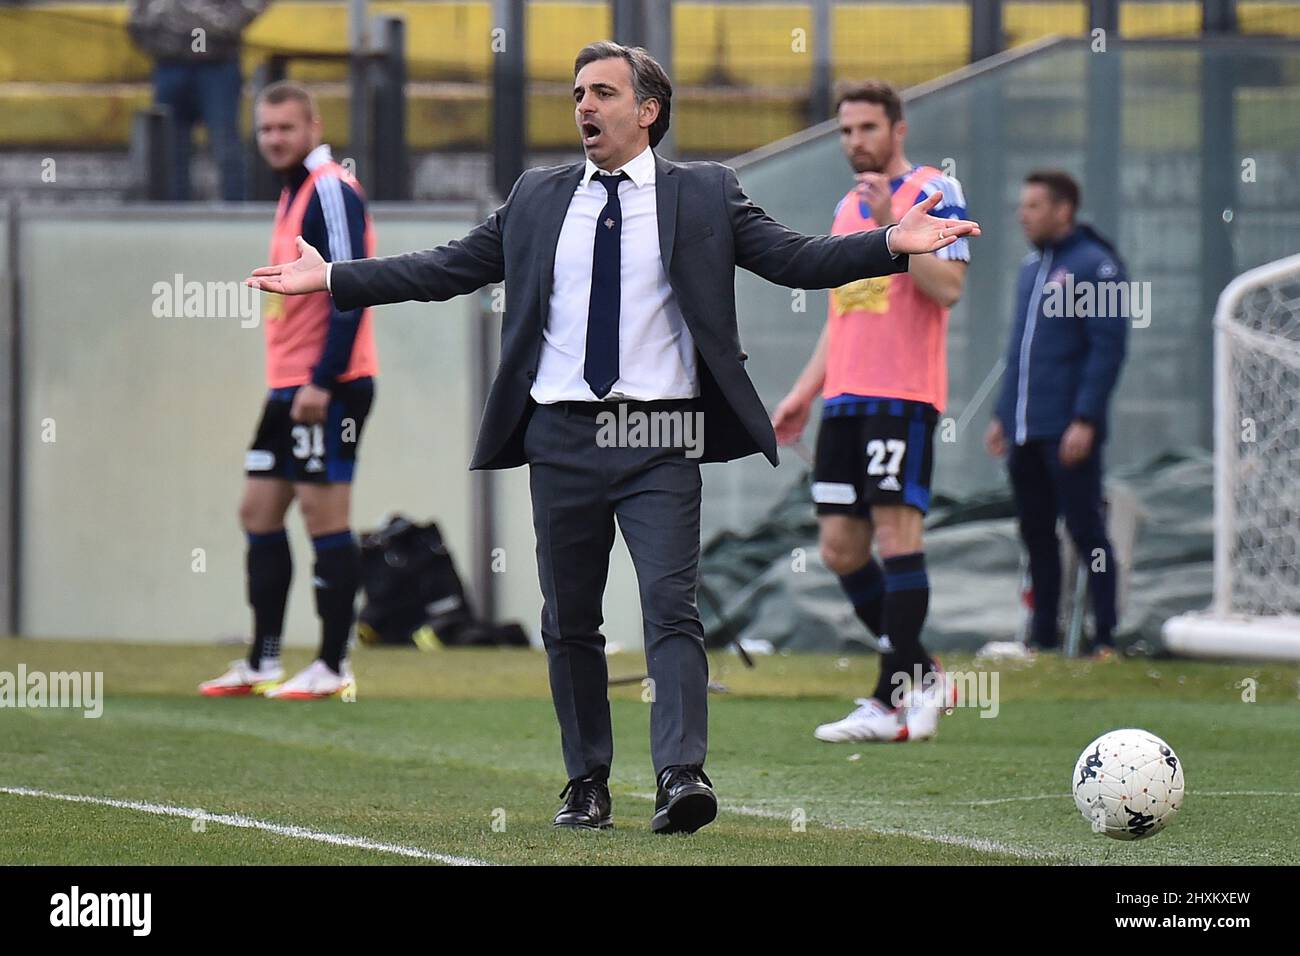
(601, 366)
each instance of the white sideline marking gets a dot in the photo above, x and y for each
(1244, 793)
(339, 839)
(250, 823)
(971, 843)
(995, 802)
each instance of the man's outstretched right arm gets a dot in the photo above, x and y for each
(433, 275)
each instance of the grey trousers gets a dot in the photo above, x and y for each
(579, 489)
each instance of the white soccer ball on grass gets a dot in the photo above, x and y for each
(1128, 784)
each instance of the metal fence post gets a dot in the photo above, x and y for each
(659, 41)
(360, 134)
(629, 22)
(392, 170)
(1219, 16)
(152, 154)
(11, 430)
(819, 97)
(985, 28)
(509, 95)
(1104, 15)
(1104, 110)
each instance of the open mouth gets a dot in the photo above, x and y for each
(590, 133)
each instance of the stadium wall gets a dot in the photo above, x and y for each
(134, 427)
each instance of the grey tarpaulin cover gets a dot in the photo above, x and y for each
(769, 584)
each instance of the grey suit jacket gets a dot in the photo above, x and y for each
(707, 227)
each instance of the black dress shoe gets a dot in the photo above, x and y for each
(588, 806)
(685, 801)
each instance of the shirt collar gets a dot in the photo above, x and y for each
(898, 181)
(317, 157)
(640, 169)
(1067, 240)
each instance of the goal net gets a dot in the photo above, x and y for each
(1256, 608)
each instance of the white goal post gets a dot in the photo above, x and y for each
(1256, 608)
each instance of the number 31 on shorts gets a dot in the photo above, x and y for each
(309, 441)
(877, 449)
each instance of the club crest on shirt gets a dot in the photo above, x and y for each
(272, 307)
(863, 295)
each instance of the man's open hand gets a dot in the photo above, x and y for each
(305, 274)
(918, 232)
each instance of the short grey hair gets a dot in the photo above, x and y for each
(649, 81)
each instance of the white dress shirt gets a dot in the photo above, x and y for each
(656, 354)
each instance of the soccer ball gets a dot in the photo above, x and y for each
(1128, 784)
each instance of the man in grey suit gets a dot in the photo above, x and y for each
(621, 308)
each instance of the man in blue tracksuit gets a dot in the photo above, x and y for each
(1072, 307)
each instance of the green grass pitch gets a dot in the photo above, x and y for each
(453, 756)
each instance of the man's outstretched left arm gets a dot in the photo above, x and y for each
(781, 255)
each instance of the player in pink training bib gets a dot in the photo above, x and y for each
(320, 368)
(881, 370)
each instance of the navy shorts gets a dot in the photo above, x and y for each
(319, 454)
(874, 452)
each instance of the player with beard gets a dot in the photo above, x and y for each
(881, 369)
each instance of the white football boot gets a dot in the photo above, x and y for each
(317, 682)
(872, 721)
(925, 704)
(241, 680)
